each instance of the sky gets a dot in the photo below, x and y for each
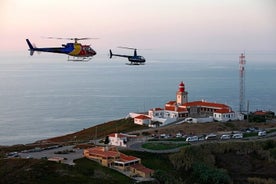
(182, 25)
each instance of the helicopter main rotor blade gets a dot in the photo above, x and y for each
(127, 48)
(75, 39)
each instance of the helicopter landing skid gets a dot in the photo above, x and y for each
(135, 63)
(79, 59)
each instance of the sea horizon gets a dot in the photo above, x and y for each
(45, 96)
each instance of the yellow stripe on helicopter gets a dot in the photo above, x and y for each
(76, 51)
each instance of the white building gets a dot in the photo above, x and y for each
(181, 109)
(224, 115)
(119, 139)
(142, 120)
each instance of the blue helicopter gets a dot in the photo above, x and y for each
(134, 60)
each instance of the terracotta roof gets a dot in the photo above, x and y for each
(127, 158)
(142, 168)
(261, 113)
(205, 104)
(224, 111)
(142, 117)
(171, 103)
(172, 108)
(101, 152)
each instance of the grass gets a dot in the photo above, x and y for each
(163, 145)
(100, 131)
(170, 139)
(32, 171)
(271, 130)
(251, 134)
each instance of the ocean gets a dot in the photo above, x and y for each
(45, 96)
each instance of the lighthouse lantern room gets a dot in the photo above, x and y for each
(181, 94)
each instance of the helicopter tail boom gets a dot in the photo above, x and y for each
(31, 48)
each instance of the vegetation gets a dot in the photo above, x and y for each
(32, 171)
(205, 174)
(160, 163)
(255, 180)
(100, 131)
(262, 116)
(226, 162)
(163, 145)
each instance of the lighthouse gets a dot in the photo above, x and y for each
(181, 94)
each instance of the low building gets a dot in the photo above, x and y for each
(119, 139)
(56, 159)
(156, 112)
(111, 157)
(139, 169)
(224, 115)
(104, 155)
(142, 120)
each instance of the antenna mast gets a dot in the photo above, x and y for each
(242, 83)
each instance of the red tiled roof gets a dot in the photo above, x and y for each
(178, 109)
(142, 168)
(171, 103)
(99, 151)
(261, 113)
(127, 158)
(224, 111)
(181, 109)
(142, 117)
(205, 104)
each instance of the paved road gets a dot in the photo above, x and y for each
(137, 146)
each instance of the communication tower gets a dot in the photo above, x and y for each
(242, 83)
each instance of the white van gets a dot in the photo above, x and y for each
(192, 139)
(225, 137)
(237, 136)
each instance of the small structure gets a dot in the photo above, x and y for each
(139, 169)
(56, 159)
(119, 139)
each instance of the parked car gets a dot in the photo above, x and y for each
(211, 137)
(178, 135)
(262, 133)
(225, 137)
(237, 136)
(192, 139)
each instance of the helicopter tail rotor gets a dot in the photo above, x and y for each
(110, 54)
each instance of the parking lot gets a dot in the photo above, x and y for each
(66, 153)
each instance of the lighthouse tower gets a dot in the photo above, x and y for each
(181, 94)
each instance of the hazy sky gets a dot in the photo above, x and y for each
(159, 24)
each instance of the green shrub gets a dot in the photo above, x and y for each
(205, 174)
(261, 181)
